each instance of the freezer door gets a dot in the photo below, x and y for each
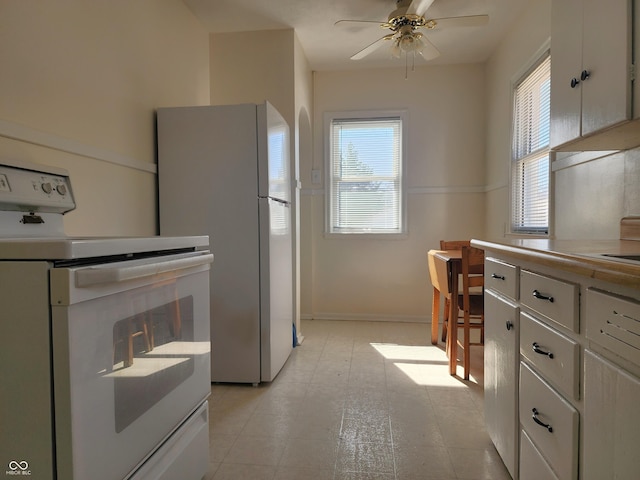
(274, 177)
(276, 287)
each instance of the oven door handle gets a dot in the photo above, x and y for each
(105, 274)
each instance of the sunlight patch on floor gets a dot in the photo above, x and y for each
(425, 365)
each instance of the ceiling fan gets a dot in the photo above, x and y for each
(406, 22)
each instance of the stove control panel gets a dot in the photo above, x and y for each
(29, 187)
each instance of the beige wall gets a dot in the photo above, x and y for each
(373, 278)
(269, 65)
(304, 153)
(82, 80)
(251, 67)
(522, 45)
(590, 197)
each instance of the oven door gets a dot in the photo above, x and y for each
(131, 351)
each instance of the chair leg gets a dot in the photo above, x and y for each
(466, 354)
(445, 321)
(435, 315)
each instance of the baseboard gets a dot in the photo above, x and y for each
(366, 317)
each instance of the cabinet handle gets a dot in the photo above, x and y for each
(584, 75)
(538, 350)
(540, 422)
(497, 277)
(540, 296)
(574, 82)
(509, 324)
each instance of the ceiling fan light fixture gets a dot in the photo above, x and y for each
(408, 42)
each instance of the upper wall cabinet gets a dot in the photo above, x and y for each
(592, 76)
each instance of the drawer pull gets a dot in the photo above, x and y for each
(540, 422)
(540, 296)
(497, 277)
(538, 350)
(509, 324)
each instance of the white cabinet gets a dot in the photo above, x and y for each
(551, 422)
(532, 464)
(591, 75)
(576, 373)
(611, 394)
(501, 376)
(611, 421)
(549, 374)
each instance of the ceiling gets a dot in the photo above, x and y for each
(329, 47)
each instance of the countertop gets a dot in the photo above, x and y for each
(582, 257)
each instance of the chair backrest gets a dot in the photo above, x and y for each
(472, 266)
(454, 244)
(459, 245)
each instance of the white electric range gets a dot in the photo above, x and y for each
(104, 343)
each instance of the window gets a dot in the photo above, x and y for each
(365, 173)
(530, 151)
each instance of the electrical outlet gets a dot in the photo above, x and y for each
(316, 177)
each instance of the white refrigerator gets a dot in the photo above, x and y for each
(224, 171)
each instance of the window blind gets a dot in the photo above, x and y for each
(530, 151)
(365, 178)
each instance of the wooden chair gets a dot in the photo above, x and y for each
(450, 245)
(440, 282)
(471, 302)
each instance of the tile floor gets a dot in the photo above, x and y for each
(356, 401)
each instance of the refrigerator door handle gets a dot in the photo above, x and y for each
(282, 202)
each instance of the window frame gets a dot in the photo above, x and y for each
(538, 59)
(329, 118)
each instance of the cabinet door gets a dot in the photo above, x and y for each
(566, 64)
(606, 55)
(611, 421)
(501, 377)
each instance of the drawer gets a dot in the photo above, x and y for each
(555, 299)
(554, 355)
(501, 277)
(532, 465)
(551, 422)
(614, 322)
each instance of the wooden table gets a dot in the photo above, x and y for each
(444, 269)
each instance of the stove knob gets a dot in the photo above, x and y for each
(46, 188)
(62, 189)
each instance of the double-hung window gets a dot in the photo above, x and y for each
(530, 151)
(365, 186)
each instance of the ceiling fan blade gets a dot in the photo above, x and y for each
(340, 23)
(371, 48)
(429, 50)
(469, 21)
(419, 7)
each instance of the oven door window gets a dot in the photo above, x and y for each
(152, 355)
(130, 363)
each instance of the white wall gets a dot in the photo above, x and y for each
(589, 198)
(87, 77)
(269, 65)
(354, 277)
(516, 52)
(251, 67)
